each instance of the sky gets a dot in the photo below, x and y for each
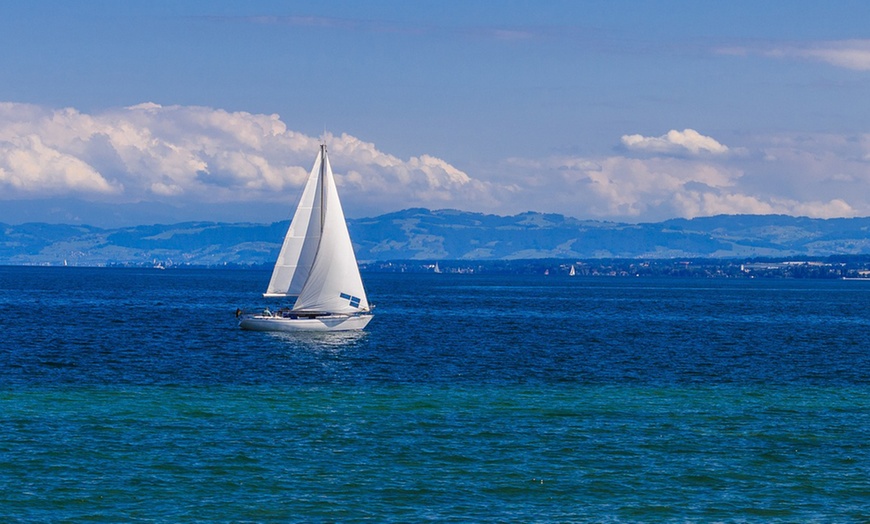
(161, 111)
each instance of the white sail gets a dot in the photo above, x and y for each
(334, 283)
(300, 244)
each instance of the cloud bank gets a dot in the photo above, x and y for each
(197, 156)
(686, 174)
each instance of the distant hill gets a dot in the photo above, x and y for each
(421, 234)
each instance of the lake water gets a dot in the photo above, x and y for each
(132, 396)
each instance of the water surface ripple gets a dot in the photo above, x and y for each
(131, 395)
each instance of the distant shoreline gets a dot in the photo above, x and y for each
(841, 267)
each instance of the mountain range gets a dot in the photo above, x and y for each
(427, 235)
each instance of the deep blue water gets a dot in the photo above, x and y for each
(132, 396)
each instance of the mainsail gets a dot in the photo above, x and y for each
(317, 263)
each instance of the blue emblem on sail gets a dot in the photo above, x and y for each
(354, 301)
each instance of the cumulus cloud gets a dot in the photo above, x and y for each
(200, 154)
(820, 176)
(675, 142)
(849, 54)
(620, 187)
(27, 163)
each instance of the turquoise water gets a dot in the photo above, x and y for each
(130, 395)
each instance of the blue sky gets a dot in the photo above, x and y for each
(634, 111)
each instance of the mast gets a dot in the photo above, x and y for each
(322, 186)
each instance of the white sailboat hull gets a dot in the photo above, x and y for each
(318, 323)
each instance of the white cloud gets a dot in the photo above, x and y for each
(686, 141)
(200, 154)
(820, 176)
(631, 188)
(849, 54)
(27, 164)
(695, 203)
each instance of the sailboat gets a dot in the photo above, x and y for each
(572, 272)
(316, 265)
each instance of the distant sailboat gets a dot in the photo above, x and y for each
(316, 265)
(437, 269)
(572, 272)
